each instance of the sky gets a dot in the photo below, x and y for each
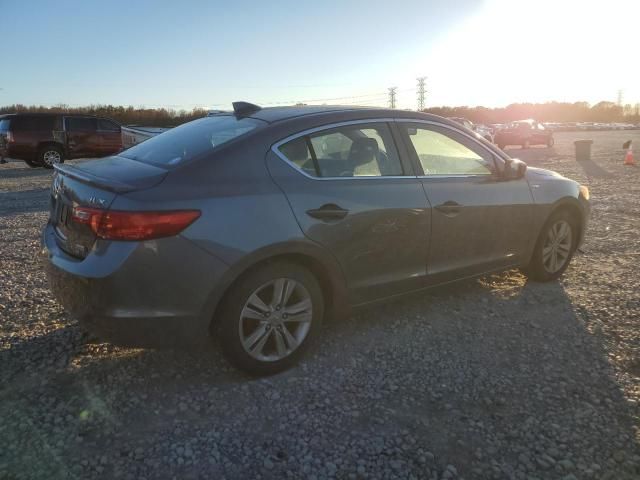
(190, 53)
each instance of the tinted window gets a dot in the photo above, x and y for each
(191, 139)
(108, 125)
(81, 124)
(33, 123)
(440, 154)
(4, 124)
(351, 151)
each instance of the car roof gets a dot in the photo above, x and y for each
(278, 114)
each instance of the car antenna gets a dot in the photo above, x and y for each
(242, 109)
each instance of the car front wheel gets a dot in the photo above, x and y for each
(554, 249)
(270, 317)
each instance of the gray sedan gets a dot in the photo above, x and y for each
(255, 225)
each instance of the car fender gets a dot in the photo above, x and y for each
(296, 250)
(551, 195)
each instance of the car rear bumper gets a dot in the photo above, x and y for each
(145, 294)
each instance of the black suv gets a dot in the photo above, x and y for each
(44, 139)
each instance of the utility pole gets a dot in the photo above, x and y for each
(421, 93)
(392, 97)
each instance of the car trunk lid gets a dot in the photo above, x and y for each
(95, 185)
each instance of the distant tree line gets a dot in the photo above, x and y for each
(156, 117)
(604, 112)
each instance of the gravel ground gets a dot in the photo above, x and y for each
(491, 378)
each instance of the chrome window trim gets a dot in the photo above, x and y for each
(459, 131)
(276, 149)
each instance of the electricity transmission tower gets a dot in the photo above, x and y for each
(392, 97)
(421, 93)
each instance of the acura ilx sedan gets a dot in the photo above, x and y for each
(255, 225)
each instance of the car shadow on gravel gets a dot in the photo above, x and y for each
(34, 200)
(12, 172)
(494, 376)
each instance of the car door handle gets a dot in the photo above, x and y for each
(449, 208)
(328, 212)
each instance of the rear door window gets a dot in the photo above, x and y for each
(349, 151)
(81, 124)
(4, 124)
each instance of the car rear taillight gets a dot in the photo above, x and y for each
(122, 225)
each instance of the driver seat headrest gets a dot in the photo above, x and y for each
(363, 151)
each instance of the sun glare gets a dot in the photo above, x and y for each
(517, 51)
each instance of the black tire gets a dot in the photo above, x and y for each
(228, 324)
(48, 152)
(33, 164)
(536, 270)
(550, 142)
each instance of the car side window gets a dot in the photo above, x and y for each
(349, 151)
(440, 153)
(298, 153)
(34, 123)
(81, 124)
(108, 125)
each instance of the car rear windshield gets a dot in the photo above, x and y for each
(190, 140)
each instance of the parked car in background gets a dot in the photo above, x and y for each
(524, 133)
(135, 134)
(45, 139)
(253, 226)
(482, 130)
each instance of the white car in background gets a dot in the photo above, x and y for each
(481, 130)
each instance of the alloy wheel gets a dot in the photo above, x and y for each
(557, 246)
(51, 157)
(275, 319)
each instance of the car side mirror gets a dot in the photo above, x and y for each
(514, 169)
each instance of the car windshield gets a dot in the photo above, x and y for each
(190, 140)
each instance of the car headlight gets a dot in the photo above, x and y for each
(584, 191)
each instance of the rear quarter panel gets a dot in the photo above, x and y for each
(245, 217)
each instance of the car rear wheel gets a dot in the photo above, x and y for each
(270, 317)
(50, 156)
(554, 249)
